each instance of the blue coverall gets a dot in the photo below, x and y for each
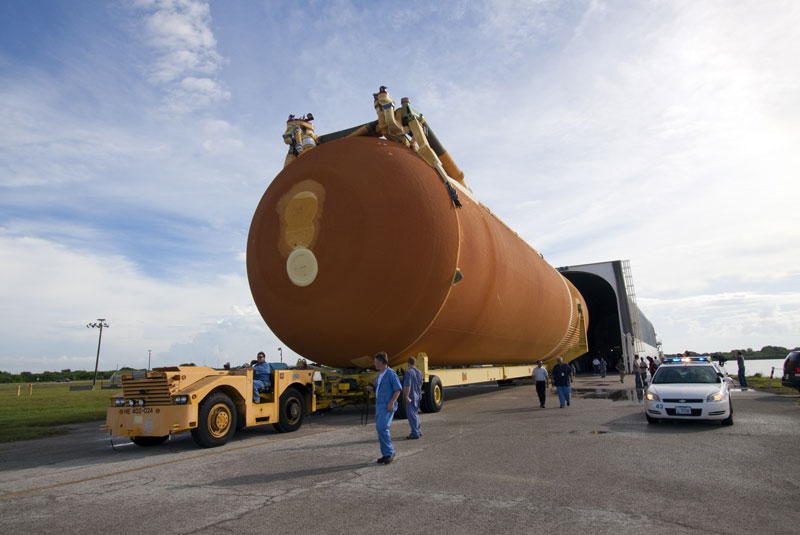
(262, 378)
(413, 380)
(388, 385)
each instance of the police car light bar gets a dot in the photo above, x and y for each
(689, 359)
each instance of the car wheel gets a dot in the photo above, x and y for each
(651, 420)
(729, 419)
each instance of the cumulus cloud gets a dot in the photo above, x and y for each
(188, 61)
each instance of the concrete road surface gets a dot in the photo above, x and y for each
(491, 462)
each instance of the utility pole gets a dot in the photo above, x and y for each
(148, 359)
(280, 352)
(101, 322)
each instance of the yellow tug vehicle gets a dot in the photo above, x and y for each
(210, 403)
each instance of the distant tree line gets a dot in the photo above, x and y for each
(43, 377)
(766, 352)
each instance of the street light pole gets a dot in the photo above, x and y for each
(148, 359)
(280, 352)
(101, 322)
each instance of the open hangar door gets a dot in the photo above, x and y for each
(604, 319)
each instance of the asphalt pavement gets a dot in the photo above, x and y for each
(490, 461)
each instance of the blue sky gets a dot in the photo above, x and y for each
(137, 138)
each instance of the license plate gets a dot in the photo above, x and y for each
(683, 411)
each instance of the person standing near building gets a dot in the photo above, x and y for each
(540, 380)
(262, 376)
(562, 375)
(412, 393)
(387, 389)
(603, 367)
(637, 371)
(621, 369)
(643, 369)
(740, 362)
(652, 366)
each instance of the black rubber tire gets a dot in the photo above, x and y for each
(651, 420)
(729, 419)
(400, 413)
(432, 395)
(216, 421)
(291, 409)
(149, 441)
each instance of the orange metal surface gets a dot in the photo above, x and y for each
(353, 250)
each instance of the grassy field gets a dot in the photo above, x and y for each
(761, 383)
(50, 406)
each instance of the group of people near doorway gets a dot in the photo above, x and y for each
(640, 367)
(563, 373)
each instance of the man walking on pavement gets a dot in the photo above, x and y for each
(540, 380)
(412, 393)
(387, 389)
(562, 373)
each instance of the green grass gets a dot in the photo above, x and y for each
(50, 406)
(761, 383)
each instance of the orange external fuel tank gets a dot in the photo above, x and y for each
(357, 248)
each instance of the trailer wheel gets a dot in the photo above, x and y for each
(216, 421)
(400, 413)
(149, 441)
(291, 410)
(432, 395)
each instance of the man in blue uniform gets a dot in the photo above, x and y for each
(412, 393)
(387, 389)
(262, 376)
(562, 375)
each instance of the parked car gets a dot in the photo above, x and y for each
(791, 370)
(62, 380)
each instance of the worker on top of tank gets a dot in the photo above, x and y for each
(262, 376)
(387, 389)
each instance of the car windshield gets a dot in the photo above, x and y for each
(686, 374)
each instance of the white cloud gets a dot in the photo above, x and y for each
(180, 31)
(49, 293)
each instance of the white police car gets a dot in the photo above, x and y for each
(689, 388)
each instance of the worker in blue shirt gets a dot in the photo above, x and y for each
(412, 393)
(262, 376)
(387, 389)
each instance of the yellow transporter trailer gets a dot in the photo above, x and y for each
(213, 404)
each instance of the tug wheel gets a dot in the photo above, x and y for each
(216, 421)
(149, 441)
(291, 410)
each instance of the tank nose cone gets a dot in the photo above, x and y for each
(352, 250)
